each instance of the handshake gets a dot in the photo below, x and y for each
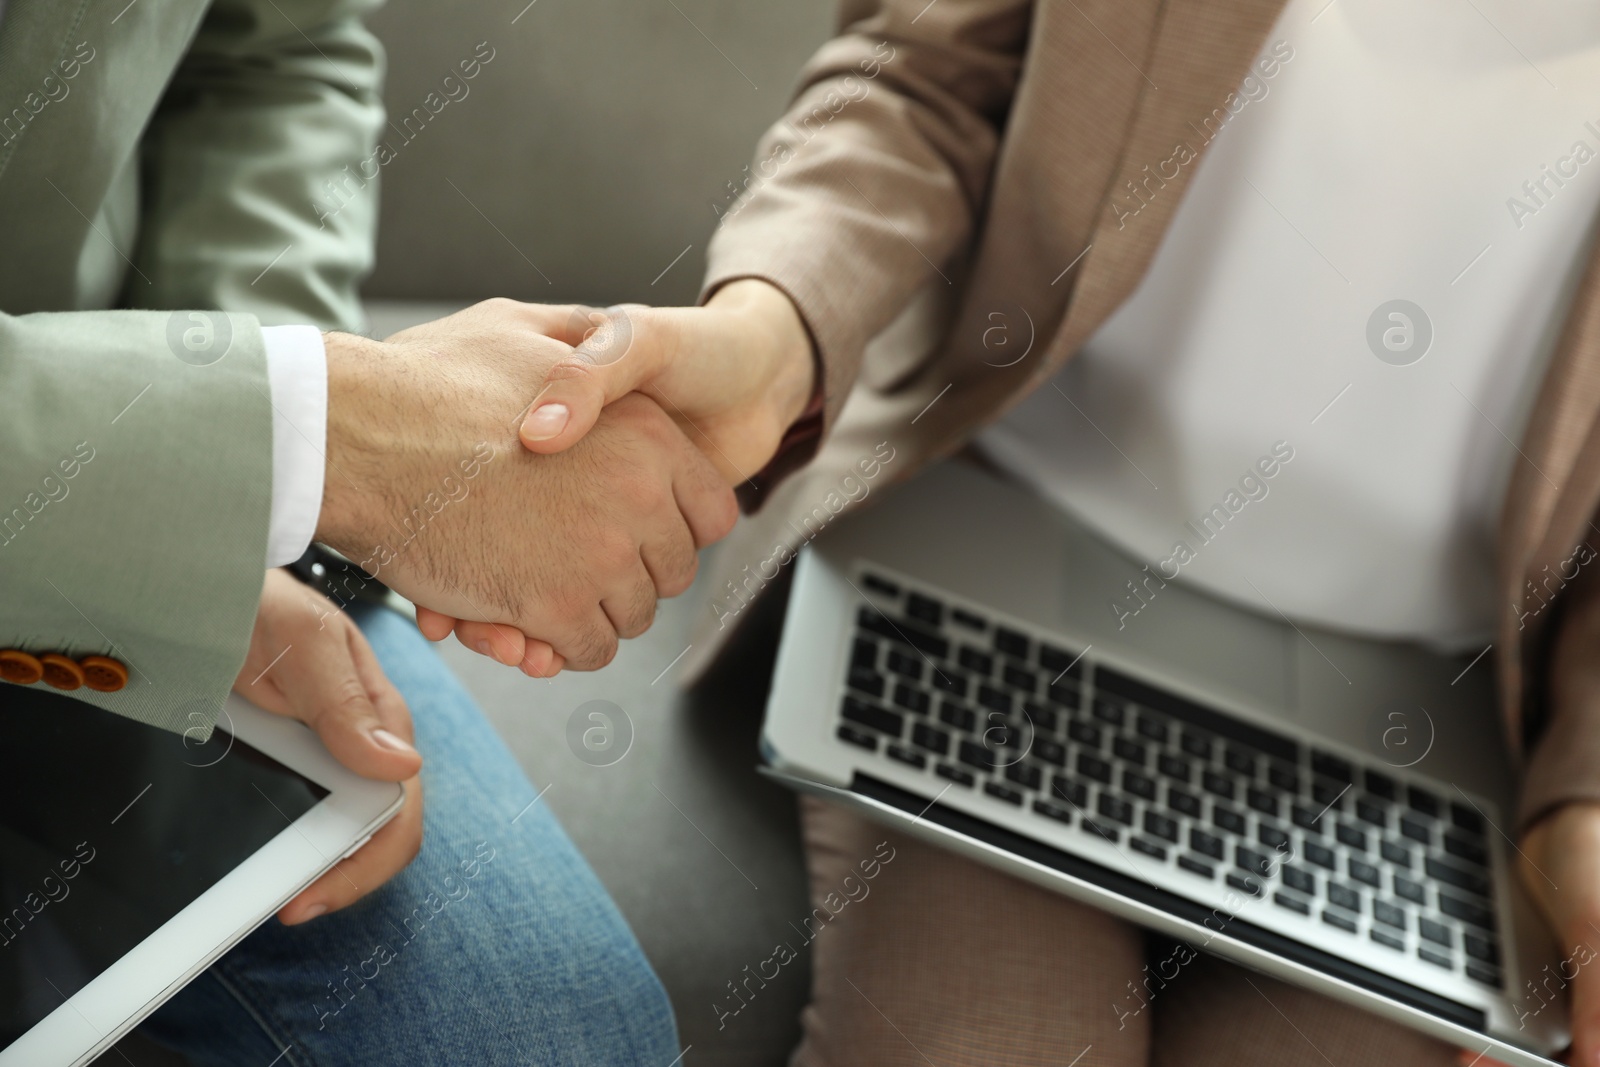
(616, 438)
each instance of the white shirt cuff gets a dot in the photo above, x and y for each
(297, 371)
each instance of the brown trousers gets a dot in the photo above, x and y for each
(947, 963)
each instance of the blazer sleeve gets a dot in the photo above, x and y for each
(873, 181)
(136, 492)
(259, 169)
(1563, 762)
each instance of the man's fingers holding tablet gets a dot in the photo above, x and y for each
(394, 845)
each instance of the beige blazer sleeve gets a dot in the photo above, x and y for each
(875, 179)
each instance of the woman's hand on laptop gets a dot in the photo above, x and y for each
(308, 661)
(1560, 866)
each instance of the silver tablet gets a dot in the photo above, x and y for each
(131, 858)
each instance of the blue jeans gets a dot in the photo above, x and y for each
(497, 945)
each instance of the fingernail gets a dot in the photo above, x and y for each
(392, 742)
(546, 422)
(483, 648)
(314, 911)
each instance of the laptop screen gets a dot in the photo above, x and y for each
(108, 828)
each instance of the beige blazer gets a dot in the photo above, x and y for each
(944, 163)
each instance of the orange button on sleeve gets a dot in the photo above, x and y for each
(19, 667)
(103, 674)
(61, 672)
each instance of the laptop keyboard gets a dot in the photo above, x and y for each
(1029, 723)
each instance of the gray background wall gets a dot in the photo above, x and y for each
(587, 153)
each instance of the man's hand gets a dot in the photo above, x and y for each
(428, 488)
(308, 661)
(735, 374)
(1560, 865)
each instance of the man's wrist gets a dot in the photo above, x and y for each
(784, 336)
(343, 523)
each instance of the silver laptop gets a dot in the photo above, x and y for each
(1328, 810)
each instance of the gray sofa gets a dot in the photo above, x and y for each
(587, 162)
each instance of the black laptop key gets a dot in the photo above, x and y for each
(1115, 808)
(1422, 801)
(953, 714)
(1388, 940)
(1069, 790)
(1217, 784)
(1436, 932)
(1149, 848)
(1343, 922)
(1139, 785)
(1295, 904)
(860, 738)
(1058, 661)
(1261, 801)
(974, 660)
(1481, 949)
(1043, 718)
(1020, 678)
(1158, 825)
(1151, 728)
(1051, 752)
(1388, 914)
(1362, 871)
(1330, 795)
(1228, 819)
(1380, 785)
(1209, 720)
(925, 609)
(1183, 803)
(1398, 855)
(1064, 693)
(914, 700)
(1463, 848)
(864, 653)
(1024, 774)
(1375, 814)
(1333, 767)
(1349, 835)
(1250, 860)
(950, 682)
(1438, 959)
(863, 714)
(1194, 866)
(1467, 819)
(1011, 642)
(910, 757)
(1206, 844)
(905, 664)
(1412, 891)
(1051, 810)
(1416, 829)
(866, 680)
(954, 774)
(880, 584)
(1451, 875)
(1109, 711)
(1109, 833)
(1321, 856)
(1272, 837)
(1486, 975)
(1306, 818)
(1132, 751)
(1342, 895)
(930, 737)
(1300, 879)
(995, 699)
(1196, 744)
(963, 617)
(1003, 792)
(1244, 884)
(1173, 767)
(1284, 778)
(1240, 761)
(975, 755)
(875, 622)
(1094, 767)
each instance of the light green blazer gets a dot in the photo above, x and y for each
(157, 157)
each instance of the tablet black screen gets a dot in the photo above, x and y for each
(108, 828)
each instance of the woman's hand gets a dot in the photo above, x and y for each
(1560, 865)
(308, 661)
